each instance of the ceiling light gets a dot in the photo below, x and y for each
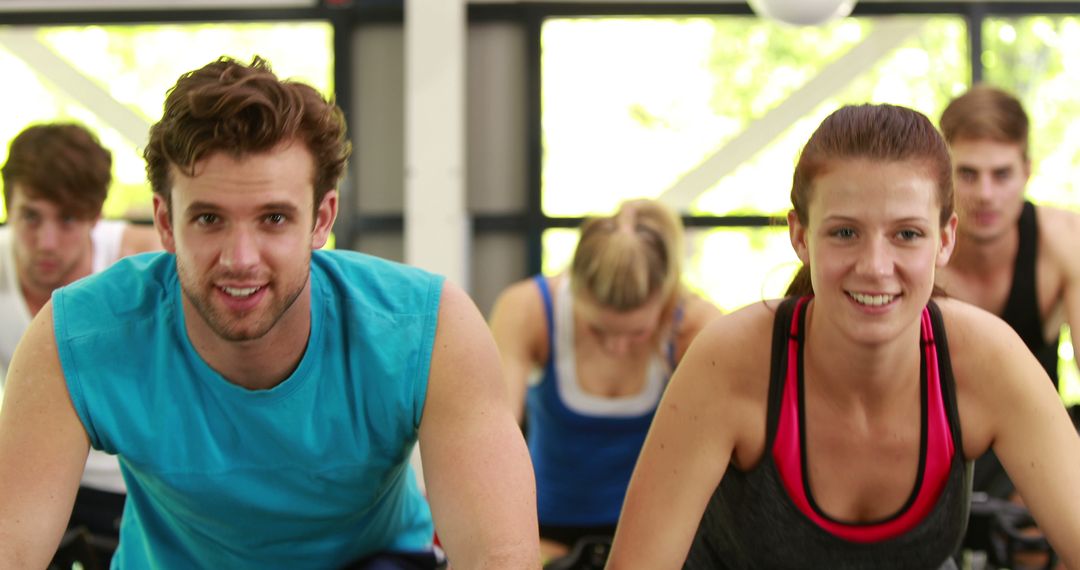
(802, 12)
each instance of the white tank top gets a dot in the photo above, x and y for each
(102, 470)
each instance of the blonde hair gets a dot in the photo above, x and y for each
(626, 259)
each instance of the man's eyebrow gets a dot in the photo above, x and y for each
(201, 206)
(279, 207)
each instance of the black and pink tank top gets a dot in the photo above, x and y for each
(767, 518)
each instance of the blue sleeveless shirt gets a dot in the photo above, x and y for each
(312, 473)
(583, 459)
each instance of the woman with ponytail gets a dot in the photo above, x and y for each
(836, 428)
(587, 355)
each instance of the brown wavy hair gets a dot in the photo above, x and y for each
(60, 162)
(227, 106)
(877, 132)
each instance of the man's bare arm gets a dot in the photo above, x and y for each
(479, 477)
(1060, 232)
(43, 449)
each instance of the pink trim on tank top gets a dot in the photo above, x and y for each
(787, 450)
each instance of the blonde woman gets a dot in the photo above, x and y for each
(587, 355)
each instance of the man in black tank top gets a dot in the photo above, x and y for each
(1012, 258)
(1022, 308)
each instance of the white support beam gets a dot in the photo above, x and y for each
(437, 229)
(436, 222)
(887, 35)
(23, 43)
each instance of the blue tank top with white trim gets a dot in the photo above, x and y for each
(584, 447)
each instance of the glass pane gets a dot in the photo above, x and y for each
(731, 267)
(559, 244)
(131, 67)
(717, 108)
(735, 267)
(1038, 59)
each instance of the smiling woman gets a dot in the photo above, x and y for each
(836, 428)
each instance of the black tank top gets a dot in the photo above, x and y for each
(752, 521)
(1022, 308)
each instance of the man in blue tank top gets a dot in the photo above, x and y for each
(264, 396)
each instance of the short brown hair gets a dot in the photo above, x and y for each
(986, 112)
(227, 106)
(60, 162)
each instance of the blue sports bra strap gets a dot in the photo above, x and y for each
(549, 310)
(676, 320)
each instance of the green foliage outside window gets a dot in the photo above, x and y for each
(1038, 59)
(632, 105)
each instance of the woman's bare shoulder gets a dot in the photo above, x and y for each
(522, 295)
(971, 328)
(983, 349)
(739, 341)
(726, 374)
(518, 307)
